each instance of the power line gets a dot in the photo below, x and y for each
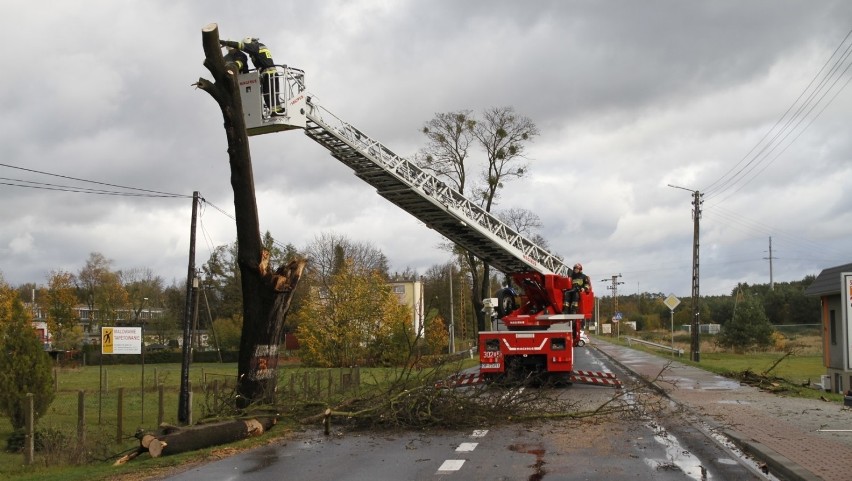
(84, 190)
(79, 190)
(793, 122)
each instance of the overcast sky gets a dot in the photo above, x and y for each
(744, 100)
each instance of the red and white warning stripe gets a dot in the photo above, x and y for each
(462, 380)
(595, 377)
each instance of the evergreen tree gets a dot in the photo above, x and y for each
(749, 326)
(24, 366)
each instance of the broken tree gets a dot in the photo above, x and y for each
(174, 440)
(267, 292)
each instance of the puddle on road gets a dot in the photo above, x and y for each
(262, 459)
(677, 456)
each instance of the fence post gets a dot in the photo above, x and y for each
(161, 407)
(29, 440)
(120, 424)
(81, 418)
(318, 383)
(305, 386)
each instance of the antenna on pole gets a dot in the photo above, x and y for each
(695, 327)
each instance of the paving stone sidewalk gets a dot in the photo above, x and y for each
(798, 439)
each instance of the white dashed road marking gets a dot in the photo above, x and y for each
(451, 465)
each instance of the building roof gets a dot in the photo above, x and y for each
(828, 281)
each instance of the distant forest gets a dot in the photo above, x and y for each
(784, 304)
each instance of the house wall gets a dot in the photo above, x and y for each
(835, 339)
(410, 293)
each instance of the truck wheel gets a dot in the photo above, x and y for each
(505, 302)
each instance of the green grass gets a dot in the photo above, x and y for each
(796, 370)
(101, 412)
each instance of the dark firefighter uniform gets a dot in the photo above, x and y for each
(261, 58)
(579, 282)
(237, 57)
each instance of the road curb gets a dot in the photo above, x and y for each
(777, 463)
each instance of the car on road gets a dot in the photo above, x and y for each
(583, 339)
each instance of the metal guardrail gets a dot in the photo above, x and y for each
(655, 345)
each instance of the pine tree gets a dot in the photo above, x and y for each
(749, 327)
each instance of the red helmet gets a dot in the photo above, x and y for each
(578, 266)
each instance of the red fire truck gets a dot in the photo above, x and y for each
(533, 334)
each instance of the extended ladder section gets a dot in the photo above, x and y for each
(427, 198)
(415, 190)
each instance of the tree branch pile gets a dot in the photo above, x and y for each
(423, 403)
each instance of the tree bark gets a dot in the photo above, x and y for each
(202, 436)
(266, 291)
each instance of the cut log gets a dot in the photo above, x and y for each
(205, 435)
(146, 440)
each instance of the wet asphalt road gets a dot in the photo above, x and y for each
(659, 446)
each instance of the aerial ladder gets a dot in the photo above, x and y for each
(537, 338)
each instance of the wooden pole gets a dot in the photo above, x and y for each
(119, 429)
(191, 287)
(161, 407)
(81, 418)
(29, 447)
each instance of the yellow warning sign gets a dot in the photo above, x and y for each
(106, 340)
(121, 340)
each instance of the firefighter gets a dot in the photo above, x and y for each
(579, 282)
(261, 58)
(238, 58)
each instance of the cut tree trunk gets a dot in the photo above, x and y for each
(267, 291)
(205, 435)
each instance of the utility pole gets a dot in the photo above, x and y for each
(191, 287)
(696, 220)
(771, 279)
(452, 346)
(614, 282)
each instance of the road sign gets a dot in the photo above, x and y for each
(671, 302)
(617, 316)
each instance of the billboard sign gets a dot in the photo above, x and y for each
(121, 340)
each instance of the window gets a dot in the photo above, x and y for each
(833, 326)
